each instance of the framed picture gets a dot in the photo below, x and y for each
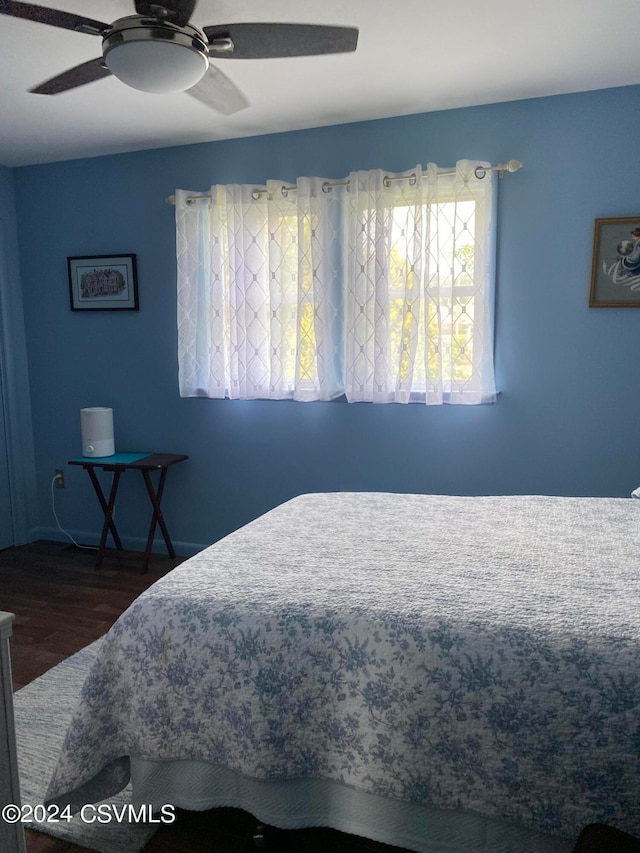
(103, 283)
(615, 269)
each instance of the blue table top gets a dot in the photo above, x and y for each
(114, 459)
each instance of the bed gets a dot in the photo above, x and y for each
(441, 673)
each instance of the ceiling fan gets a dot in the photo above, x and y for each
(158, 50)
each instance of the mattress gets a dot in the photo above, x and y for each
(450, 655)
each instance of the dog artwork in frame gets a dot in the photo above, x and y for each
(615, 269)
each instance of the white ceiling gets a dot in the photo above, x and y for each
(413, 56)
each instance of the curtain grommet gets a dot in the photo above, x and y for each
(284, 191)
(326, 187)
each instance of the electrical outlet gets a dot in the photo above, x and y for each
(59, 478)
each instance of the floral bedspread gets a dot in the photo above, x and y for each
(479, 653)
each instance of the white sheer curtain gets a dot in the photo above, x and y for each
(381, 291)
(259, 292)
(418, 286)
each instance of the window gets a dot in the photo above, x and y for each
(418, 287)
(381, 291)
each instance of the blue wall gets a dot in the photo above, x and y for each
(567, 419)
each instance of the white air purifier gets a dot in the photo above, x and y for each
(97, 431)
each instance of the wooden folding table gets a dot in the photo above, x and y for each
(117, 464)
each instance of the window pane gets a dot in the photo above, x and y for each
(443, 343)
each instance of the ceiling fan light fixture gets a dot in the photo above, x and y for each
(153, 58)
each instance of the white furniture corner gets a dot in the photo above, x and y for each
(11, 834)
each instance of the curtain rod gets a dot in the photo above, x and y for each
(479, 171)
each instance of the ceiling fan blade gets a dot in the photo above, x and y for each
(54, 17)
(218, 92)
(89, 71)
(265, 41)
(175, 11)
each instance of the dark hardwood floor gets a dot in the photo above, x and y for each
(61, 604)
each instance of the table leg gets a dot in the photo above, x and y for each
(157, 518)
(109, 524)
